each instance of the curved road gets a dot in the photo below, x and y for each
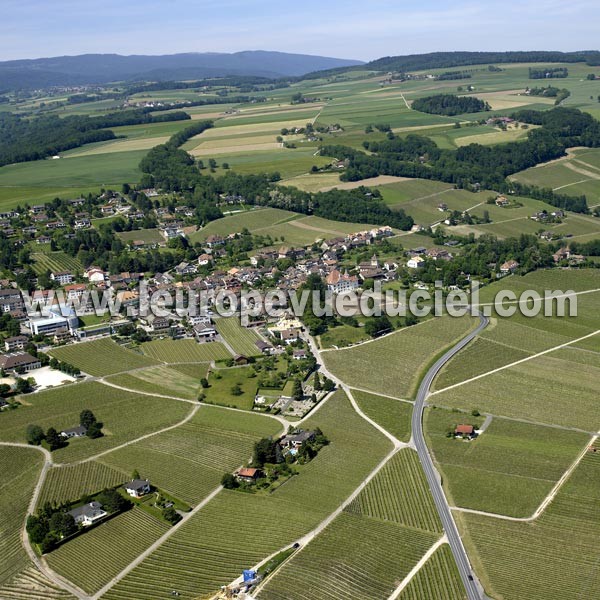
(472, 585)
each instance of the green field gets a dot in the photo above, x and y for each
(184, 351)
(55, 261)
(20, 470)
(102, 357)
(162, 380)
(189, 461)
(342, 336)
(393, 415)
(557, 552)
(371, 546)
(438, 579)
(392, 365)
(211, 548)
(71, 482)
(221, 384)
(149, 236)
(241, 339)
(126, 416)
(509, 469)
(113, 545)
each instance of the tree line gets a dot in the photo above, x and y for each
(450, 105)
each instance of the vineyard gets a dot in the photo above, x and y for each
(94, 558)
(393, 415)
(126, 416)
(438, 579)
(55, 262)
(355, 557)
(20, 470)
(159, 380)
(182, 351)
(64, 484)
(101, 357)
(367, 366)
(221, 539)
(558, 552)
(399, 493)
(188, 462)
(241, 339)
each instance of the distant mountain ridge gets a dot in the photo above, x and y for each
(440, 60)
(105, 68)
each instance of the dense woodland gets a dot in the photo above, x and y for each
(24, 139)
(548, 73)
(480, 167)
(449, 104)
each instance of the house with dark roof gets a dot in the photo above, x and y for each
(19, 360)
(88, 514)
(295, 440)
(16, 342)
(137, 487)
(79, 431)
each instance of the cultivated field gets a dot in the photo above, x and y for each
(162, 380)
(392, 365)
(438, 579)
(126, 416)
(20, 470)
(56, 262)
(101, 357)
(188, 462)
(392, 415)
(557, 552)
(69, 483)
(184, 351)
(220, 540)
(508, 470)
(113, 545)
(241, 339)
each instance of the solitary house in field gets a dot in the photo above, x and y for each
(465, 430)
(88, 514)
(72, 432)
(248, 474)
(295, 440)
(137, 487)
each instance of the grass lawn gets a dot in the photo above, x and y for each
(222, 383)
(149, 236)
(393, 415)
(342, 336)
(182, 351)
(508, 470)
(393, 364)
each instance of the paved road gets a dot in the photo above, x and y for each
(472, 585)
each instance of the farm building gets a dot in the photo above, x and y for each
(248, 474)
(79, 431)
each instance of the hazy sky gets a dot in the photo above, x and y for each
(342, 28)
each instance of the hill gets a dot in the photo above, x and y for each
(103, 68)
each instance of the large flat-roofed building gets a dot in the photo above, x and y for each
(58, 317)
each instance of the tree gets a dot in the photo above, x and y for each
(54, 440)
(377, 325)
(35, 435)
(23, 386)
(204, 382)
(62, 523)
(171, 515)
(229, 482)
(297, 393)
(317, 382)
(94, 431)
(328, 385)
(112, 501)
(236, 390)
(135, 474)
(86, 418)
(37, 529)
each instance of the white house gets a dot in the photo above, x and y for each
(416, 262)
(88, 514)
(137, 487)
